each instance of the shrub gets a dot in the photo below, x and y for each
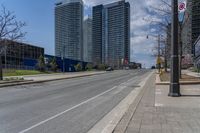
(78, 67)
(41, 64)
(101, 67)
(89, 67)
(54, 65)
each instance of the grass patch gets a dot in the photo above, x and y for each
(166, 77)
(22, 72)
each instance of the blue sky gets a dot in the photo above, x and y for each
(39, 16)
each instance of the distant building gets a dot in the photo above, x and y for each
(191, 26)
(68, 29)
(18, 55)
(97, 34)
(197, 51)
(87, 40)
(195, 20)
(134, 65)
(111, 34)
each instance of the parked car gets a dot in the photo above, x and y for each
(126, 68)
(109, 69)
(153, 67)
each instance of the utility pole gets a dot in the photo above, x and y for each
(1, 71)
(174, 81)
(5, 54)
(159, 65)
(166, 56)
(181, 50)
(2, 49)
(63, 58)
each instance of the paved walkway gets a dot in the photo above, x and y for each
(190, 73)
(158, 113)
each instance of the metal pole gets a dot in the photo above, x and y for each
(63, 65)
(166, 56)
(5, 57)
(159, 53)
(174, 81)
(181, 51)
(1, 71)
(63, 58)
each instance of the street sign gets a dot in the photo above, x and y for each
(182, 6)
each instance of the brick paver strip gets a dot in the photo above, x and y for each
(123, 124)
(176, 115)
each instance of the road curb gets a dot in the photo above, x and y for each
(110, 121)
(43, 81)
(125, 120)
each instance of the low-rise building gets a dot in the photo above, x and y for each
(18, 55)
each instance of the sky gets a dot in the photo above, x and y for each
(39, 17)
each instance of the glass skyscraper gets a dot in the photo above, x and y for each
(191, 28)
(69, 29)
(111, 34)
(87, 40)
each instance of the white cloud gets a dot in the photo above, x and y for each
(140, 27)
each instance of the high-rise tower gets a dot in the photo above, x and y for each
(111, 34)
(69, 29)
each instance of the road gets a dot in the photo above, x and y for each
(65, 106)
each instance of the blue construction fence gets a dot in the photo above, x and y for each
(66, 65)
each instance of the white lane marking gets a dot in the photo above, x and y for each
(158, 105)
(57, 115)
(76, 106)
(158, 93)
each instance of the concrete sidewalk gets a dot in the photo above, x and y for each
(190, 73)
(158, 113)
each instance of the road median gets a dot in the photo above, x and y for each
(48, 79)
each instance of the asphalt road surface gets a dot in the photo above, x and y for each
(65, 106)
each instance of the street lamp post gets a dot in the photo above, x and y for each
(1, 71)
(159, 63)
(174, 90)
(2, 49)
(159, 36)
(63, 57)
(181, 50)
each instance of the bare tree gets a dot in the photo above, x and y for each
(160, 21)
(10, 30)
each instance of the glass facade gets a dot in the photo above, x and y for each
(197, 52)
(68, 29)
(97, 34)
(191, 26)
(111, 35)
(17, 53)
(87, 39)
(197, 48)
(195, 20)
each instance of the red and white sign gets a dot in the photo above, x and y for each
(182, 6)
